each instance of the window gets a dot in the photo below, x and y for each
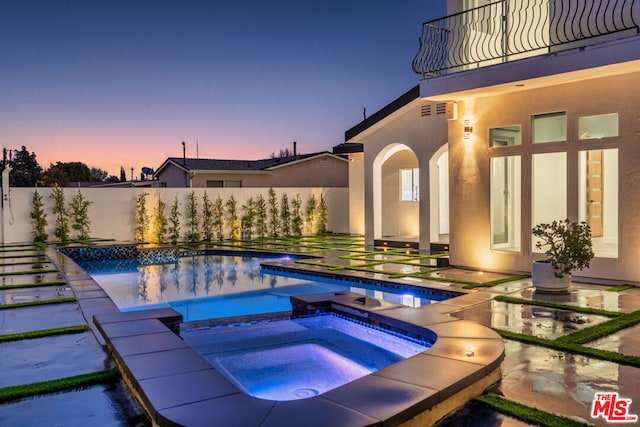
(504, 136)
(602, 126)
(598, 199)
(409, 185)
(505, 203)
(549, 127)
(221, 183)
(548, 189)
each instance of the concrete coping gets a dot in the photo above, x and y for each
(177, 386)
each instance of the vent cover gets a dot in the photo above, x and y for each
(425, 110)
(441, 108)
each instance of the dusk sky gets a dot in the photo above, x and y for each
(122, 83)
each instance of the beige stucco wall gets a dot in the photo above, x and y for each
(356, 193)
(424, 135)
(112, 210)
(470, 180)
(399, 218)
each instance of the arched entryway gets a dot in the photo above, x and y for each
(396, 194)
(439, 196)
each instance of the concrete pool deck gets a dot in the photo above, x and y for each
(531, 375)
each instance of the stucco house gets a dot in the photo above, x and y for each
(525, 112)
(322, 169)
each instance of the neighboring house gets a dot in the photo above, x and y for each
(534, 104)
(304, 170)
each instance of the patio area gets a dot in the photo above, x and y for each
(535, 375)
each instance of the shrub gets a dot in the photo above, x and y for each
(61, 230)
(568, 245)
(80, 214)
(38, 218)
(207, 218)
(218, 218)
(193, 234)
(274, 217)
(142, 217)
(160, 221)
(174, 222)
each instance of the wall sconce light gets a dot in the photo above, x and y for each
(468, 129)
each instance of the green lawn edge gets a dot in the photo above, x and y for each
(33, 389)
(569, 347)
(577, 309)
(36, 303)
(595, 332)
(527, 413)
(76, 329)
(34, 271)
(619, 288)
(34, 285)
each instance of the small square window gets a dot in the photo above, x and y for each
(505, 136)
(550, 127)
(601, 126)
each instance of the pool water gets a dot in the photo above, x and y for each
(213, 286)
(299, 358)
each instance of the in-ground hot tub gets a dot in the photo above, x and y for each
(177, 386)
(300, 358)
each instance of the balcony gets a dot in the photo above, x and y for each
(509, 30)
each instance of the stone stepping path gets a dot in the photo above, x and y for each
(98, 405)
(35, 318)
(30, 279)
(43, 359)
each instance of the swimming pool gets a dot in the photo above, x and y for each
(214, 285)
(300, 358)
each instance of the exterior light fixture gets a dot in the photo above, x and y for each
(468, 129)
(468, 351)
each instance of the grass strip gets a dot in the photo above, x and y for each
(34, 285)
(577, 309)
(38, 262)
(44, 333)
(319, 263)
(603, 329)
(20, 249)
(569, 347)
(468, 283)
(16, 245)
(33, 271)
(394, 252)
(39, 302)
(619, 288)
(33, 255)
(527, 413)
(27, 390)
(418, 274)
(491, 283)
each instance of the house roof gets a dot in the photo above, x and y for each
(392, 107)
(190, 164)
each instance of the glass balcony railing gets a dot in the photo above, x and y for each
(508, 30)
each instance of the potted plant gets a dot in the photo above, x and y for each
(568, 247)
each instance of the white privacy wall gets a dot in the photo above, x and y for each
(112, 212)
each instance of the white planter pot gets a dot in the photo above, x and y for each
(544, 279)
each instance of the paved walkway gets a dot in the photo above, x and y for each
(549, 380)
